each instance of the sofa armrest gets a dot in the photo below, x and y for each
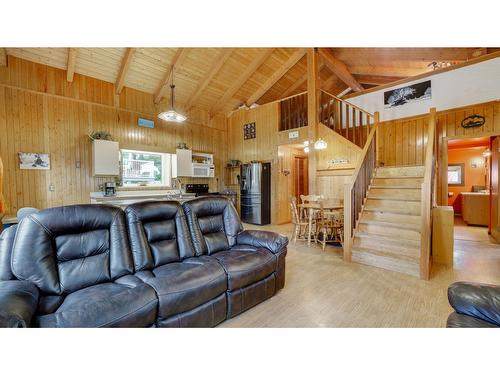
(274, 242)
(480, 301)
(18, 303)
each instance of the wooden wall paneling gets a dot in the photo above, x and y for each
(36, 117)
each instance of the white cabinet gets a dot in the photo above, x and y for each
(184, 163)
(105, 158)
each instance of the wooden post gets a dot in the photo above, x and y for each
(347, 222)
(312, 113)
(376, 120)
(426, 199)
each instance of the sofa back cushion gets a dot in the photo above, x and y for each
(64, 249)
(213, 222)
(6, 242)
(158, 233)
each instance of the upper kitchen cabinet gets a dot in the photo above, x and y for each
(184, 163)
(105, 158)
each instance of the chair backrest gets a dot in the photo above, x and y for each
(213, 223)
(295, 211)
(311, 198)
(64, 249)
(25, 211)
(158, 234)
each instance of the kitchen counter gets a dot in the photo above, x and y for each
(125, 198)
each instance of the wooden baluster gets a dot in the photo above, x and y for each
(294, 112)
(362, 132)
(289, 113)
(354, 127)
(348, 122)
(341, 120)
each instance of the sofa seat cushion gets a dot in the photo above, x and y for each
(182, 286)
(105, 305)
(245, 265)
(456, 320)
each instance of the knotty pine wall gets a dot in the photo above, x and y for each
(41, 112)
(403, 141)
(330, 179)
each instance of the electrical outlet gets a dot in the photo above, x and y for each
(77, 164)
(52, 187)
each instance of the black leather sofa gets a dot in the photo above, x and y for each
(476, 305)
(147, 266)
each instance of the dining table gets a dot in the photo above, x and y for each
(311, 207)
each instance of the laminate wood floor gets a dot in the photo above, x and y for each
(324, 291)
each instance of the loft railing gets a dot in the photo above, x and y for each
(293, 112)
(356, 190)
(428, 194)
(348, 120)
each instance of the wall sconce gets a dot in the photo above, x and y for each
(487, 153)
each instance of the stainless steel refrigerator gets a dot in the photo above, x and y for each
(255, 184)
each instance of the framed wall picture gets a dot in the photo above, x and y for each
(29, 160)
(249, 131)
(408, 94)
(456, 176)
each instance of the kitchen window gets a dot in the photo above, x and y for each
(144, 168)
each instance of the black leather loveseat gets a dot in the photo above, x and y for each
(99, 266)
(476, 305)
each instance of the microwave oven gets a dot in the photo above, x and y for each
(203, 170)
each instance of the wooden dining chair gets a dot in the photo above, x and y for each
(329, 227)
(309, 199)
(300, 225)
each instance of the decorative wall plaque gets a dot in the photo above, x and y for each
(249, 131)
(473, 121)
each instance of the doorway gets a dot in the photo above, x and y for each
(293, 178)
(472, 180)
(301, 176)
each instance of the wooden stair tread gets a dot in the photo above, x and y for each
(397, 225)
(373, 259)
(397, 177)
(381, 253)
(389, 239)
(399, 199)
(394, 210)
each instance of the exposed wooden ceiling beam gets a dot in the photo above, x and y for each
(339, 68)
(220, 60)
(291, 61)
(388, 71)
(249, 71)
(122, 74)
(368, 79)
(178, 58)
(70, 67)
(3, 56)
(387, 56)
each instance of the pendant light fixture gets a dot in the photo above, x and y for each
(172, 115)
(320, 144)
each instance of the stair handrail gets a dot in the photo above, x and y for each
(427, 197)
(362, 175)
(345, 118)
(346, 102)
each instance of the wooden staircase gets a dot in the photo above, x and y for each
(388, 232)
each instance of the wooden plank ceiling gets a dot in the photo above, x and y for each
(222, 79)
